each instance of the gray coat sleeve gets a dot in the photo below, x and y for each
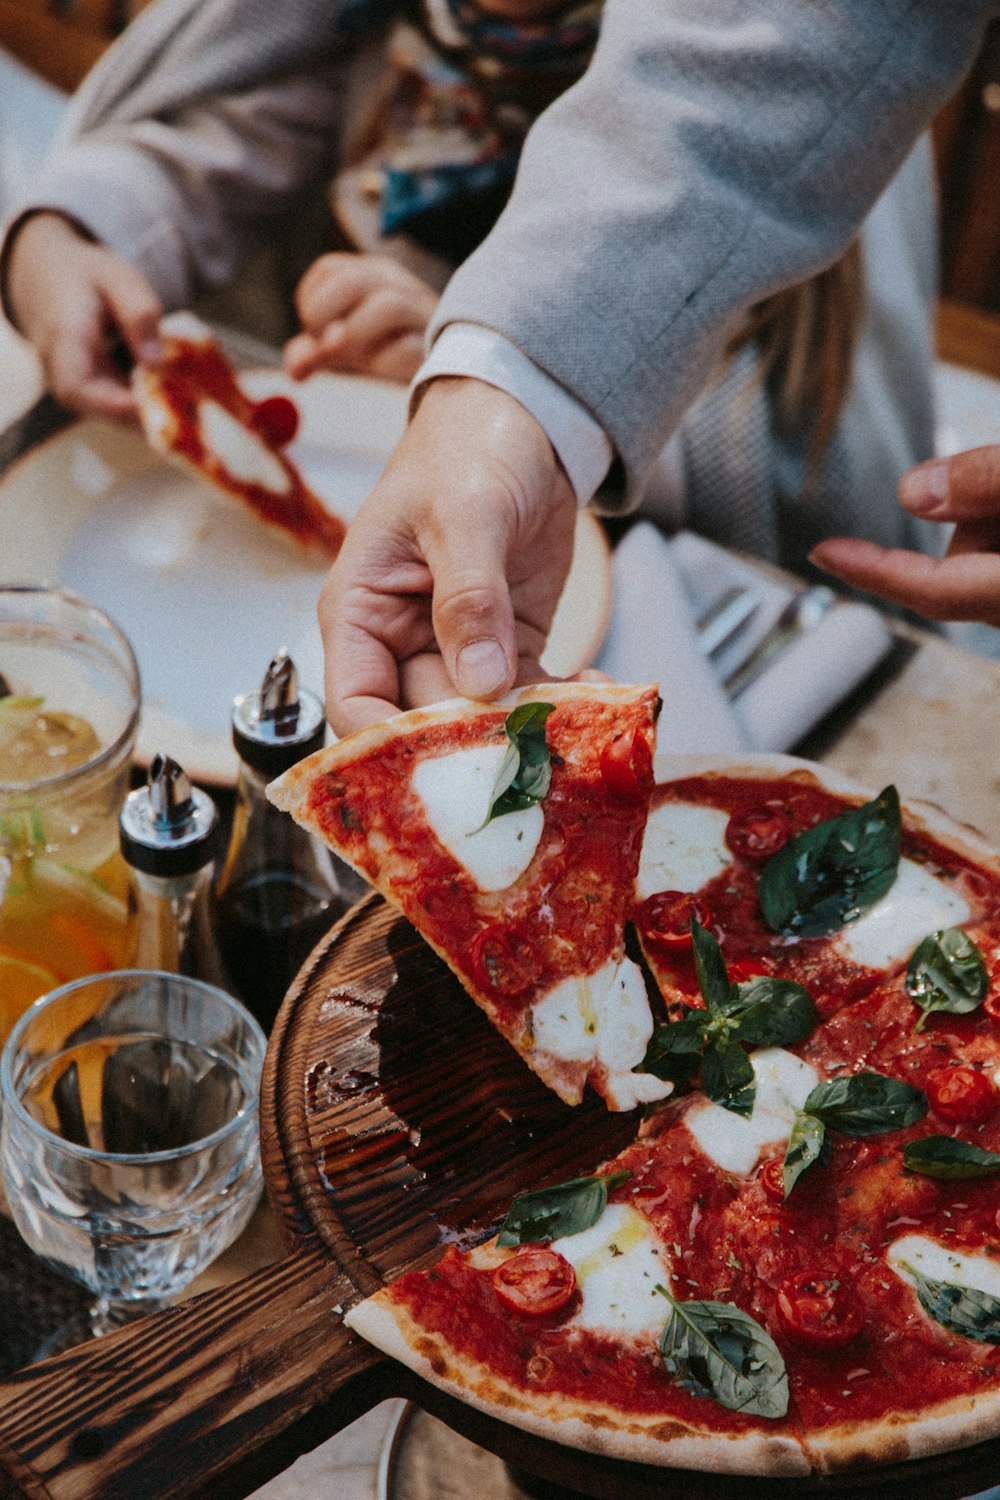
(711, 155)
(204, 125)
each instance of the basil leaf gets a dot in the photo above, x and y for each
(943, 1156)
(729, 1077)
(807, 1147)
(960, 1309)
(710, 966)
(717, 1350)
(946, 972)
(553, 1212)
(526, 770)
(862, 1104)
(773, 1012)
(673, 1052)
(828, 875)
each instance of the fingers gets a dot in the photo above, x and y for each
(964, 487)
(962, 586)
(133, 307)
(363, 313)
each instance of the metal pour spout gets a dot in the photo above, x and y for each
(279, 694)
(171, 804)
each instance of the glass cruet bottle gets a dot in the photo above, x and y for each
(169, 836)
(279, 889)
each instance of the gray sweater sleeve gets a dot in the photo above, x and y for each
(200, 128)
(711, 155)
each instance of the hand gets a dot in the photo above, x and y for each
(74, 300)
(965, 583)
(364, 313)
(452, 569)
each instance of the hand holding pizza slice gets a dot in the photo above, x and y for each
(194, 411)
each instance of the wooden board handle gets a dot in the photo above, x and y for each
(210, 1398)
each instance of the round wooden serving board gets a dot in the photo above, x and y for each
(394, 1121)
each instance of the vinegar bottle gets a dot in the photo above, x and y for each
(280, 889)
(169, 838)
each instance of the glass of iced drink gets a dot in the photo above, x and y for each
(69, 711)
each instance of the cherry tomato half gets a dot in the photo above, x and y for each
(772, 1178)
(627, 765)
(991, 1005)
(817, 1311)
(276, 419)
(503, 960)
(535, 1281)
(665, 919)
(758, 832)
(961, 1094)
(748, 968)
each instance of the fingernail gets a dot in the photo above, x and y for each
(481, 668)
(924, 489)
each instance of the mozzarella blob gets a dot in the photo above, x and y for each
(245, 456)
(734, 1142)
(918, 1252)
(457, 793)
(684, 847)
(916, 904)
(617, 1267)
(603, 1018)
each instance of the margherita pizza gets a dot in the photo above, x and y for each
(509, 835)
(195, 412)
(795, 1267)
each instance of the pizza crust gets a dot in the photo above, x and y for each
(594, 1427)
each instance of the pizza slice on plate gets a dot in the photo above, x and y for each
(509, 835)
(795, 1267)
(194, 411)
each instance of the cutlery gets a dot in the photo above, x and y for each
(802, 613)
(722, 620)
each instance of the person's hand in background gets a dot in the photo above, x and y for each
(365, 314)
(452, 569)
(78, 303)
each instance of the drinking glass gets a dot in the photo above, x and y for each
(69, 711)
(129, 1139)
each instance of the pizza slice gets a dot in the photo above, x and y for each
(509, 835)
(194, 412)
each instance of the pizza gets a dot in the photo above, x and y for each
(509, 834)
(794, 1267)
(194, 412)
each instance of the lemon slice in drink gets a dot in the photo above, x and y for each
(21, 982)
(36, 743)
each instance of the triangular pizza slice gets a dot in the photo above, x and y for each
(509, 835)
(195, 412)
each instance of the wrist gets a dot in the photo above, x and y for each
(30, 238)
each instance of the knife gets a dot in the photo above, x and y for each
(802, 613)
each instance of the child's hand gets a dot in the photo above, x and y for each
(363, 313)
(84, 309)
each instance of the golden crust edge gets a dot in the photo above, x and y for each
(391, 1328)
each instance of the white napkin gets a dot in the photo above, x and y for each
(663, 586)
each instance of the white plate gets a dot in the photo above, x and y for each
(206, 593)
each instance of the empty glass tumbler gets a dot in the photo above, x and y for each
(129, 1137)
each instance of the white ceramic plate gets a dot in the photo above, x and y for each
(206, 593)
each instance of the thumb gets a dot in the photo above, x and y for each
(472, 612)
(965, 487)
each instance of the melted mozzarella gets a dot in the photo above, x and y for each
(684, 846)
(917, 1252)
(916, 904)
(602, 1018)
(457, 793)
(617, 1269)
(734, 1142)
(245, 456)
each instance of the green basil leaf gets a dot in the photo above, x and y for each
(729, 1077)
(710, 966)
(554, 1212)
(526, 770)
(807, 1147)
(943, 1156)
(960, 1309)
(773, 1012)
(862, 1104)
(716, 1350)
(673, 1052)
(946, 972)
(828, 875)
